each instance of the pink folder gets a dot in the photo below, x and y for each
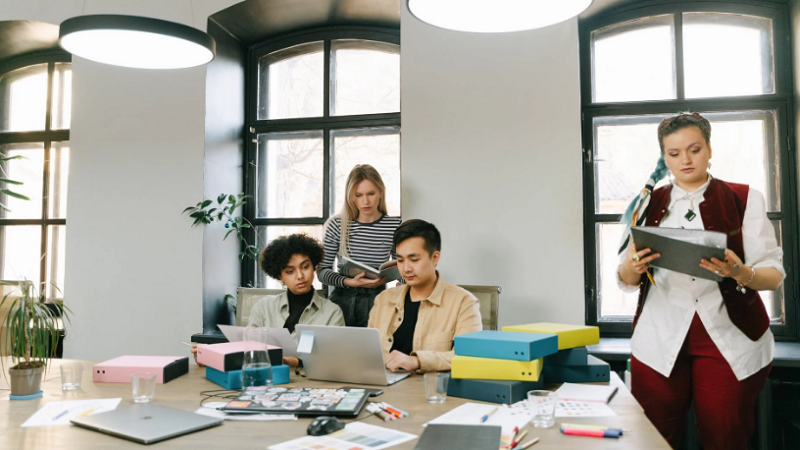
(229, 356)
(119, 370)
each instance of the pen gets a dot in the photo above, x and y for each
(590, 427)
(529, 443)
(486, 417)
(60, 414)
(86, 412)
(517, 440)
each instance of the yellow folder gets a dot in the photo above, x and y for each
(569, 336)
(495, 369)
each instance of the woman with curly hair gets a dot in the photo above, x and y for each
(292, 260)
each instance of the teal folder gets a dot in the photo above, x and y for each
(595, 371)
(494, 391)
(570, 357)
(233, 378)
(506, 345)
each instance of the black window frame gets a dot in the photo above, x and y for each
(326, 123)
(781, 101)
(46, 136)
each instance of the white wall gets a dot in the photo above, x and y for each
(133, 265)
(491, 154)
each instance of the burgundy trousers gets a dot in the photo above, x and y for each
(724, 406)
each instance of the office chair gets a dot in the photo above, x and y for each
(489, 298)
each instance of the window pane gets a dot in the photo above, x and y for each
(291, 83)
(22, 251)
(634, 61)
(24, 99)
(270, 233)
(378, 147)
(365, 77)
(743, 151)
(62, 96)
(290, 170)
(727, 55)
(28, 169)
(774, 300)
(56, 241)
(611, 299)
(59, 173)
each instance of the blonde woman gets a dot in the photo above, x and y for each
(363, 231)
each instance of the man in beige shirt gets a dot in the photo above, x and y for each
(418, 321)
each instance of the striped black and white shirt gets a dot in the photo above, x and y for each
(370, 244)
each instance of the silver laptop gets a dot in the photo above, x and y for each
(347, 354)
(146, 423)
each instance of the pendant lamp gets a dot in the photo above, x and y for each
(495, 16)
(136, 42)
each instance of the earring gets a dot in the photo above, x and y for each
(709, 165)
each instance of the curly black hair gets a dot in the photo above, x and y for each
(279, 252)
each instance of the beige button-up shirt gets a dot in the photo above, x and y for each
(447, 312)
(272, 311)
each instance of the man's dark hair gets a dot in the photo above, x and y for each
(276, 256)
(419, 228)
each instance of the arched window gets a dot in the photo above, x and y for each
(319, 103)
(730, 62)
(35, 104)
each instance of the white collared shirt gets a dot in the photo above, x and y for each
(673, 301)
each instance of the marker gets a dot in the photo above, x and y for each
(591, 427)
(60, 414)
(591, 433)
(486, 417)
(378, 412)
(402, 413)
(517, 440)
(86, 412)
(386, 407)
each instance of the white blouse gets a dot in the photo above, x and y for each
(673, 301)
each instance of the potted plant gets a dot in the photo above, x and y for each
(29, 335)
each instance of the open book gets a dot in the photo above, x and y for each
(681, 249)
(351, 268)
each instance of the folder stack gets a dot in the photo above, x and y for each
(224, 363)
(572, 363)
(499, 366)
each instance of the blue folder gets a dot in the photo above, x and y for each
(596, 371)
(233, 379)
(506, 345)
(570, 357)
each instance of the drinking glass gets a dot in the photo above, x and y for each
(256, 367)
(542, 405)
(71, 374)
(144, 387)
(436, 386)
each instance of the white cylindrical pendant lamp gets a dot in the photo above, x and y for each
(136, 42)
(495, 16)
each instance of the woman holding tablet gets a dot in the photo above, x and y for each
(697, 340)
(363, 231)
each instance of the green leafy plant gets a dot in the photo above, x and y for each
(31, 330)
(205, 213)
(3, 160)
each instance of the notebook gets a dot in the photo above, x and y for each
(681, 249)
(146, 423)
(437, 437)
(586, 392)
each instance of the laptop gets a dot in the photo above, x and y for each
(346, 354)
(146, 423)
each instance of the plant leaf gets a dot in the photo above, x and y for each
(226, 234)
(6, 180)
(221, 198)
(188, 209)
(14, 194)
(205, 203)
(232, 199)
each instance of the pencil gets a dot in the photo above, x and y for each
(515, 444)
(529, 443)
(188, 344)
(486, 417)
(86, 412)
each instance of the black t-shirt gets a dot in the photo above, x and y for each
(403, 339)
(297, 304)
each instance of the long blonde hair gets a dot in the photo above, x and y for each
(349, 211)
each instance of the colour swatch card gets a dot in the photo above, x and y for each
(471, 414)
(355, 436)
(569, 408)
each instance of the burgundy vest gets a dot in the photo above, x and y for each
(722, 210)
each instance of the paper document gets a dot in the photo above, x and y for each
(567, 408)
(60, 413)
(586, 392)
(275, 336)
(681, 249)
(471, 414)
(210, 409)
(354, 436)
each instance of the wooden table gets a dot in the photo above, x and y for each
(183, 393)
